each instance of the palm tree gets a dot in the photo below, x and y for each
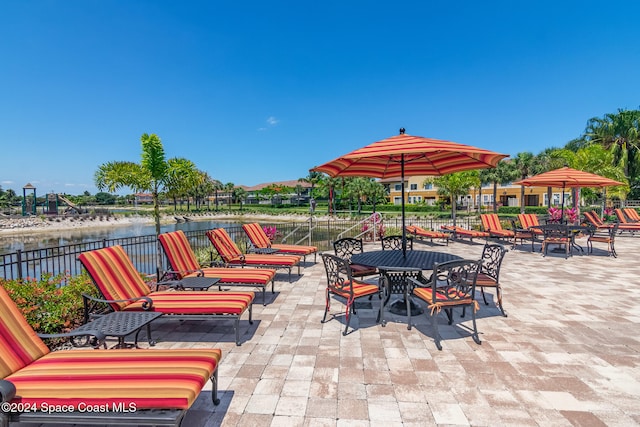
(182, 179)
(228, 188)
(454, 185)
(150, 174)
(525, 165)
(239, 194)
(217, 186)
(619, 133)
(375, 192)
(357, 187)
(313, 178)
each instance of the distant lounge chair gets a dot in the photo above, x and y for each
(459, 232)
(632, 214)
(420, 232)
(231, 254)
(124, 290)
(623, 220)
(260, 240)
(594, 219)
(183, 263)
(491, 224)
(530, 222)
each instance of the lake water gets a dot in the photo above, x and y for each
(47, 239)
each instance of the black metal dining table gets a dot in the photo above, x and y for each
(394, 259)
(572, 231)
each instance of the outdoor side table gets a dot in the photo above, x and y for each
(196, 283)
(119, 324)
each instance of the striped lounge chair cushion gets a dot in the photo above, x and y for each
(116, 277)
(182, 259)
(145, 378)
(359, 289)
(196, 302)
(491, 223)
(232, 255)
(259, 239)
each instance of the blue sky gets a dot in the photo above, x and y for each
(259, 91)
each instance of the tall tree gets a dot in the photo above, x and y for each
(620, 133)
(148, 175)
(454, 185)
(313, 178)
(526, 165)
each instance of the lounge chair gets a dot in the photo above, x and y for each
(183, 264)
(420, 232)
(123, 289)
(491, 224)
(632, 214)
(624, 221)
(260, 240)
(232, 256)
(530, 222)
(459, 232)
(594, 219)
(107, 387)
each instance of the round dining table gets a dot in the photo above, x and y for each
(394, 259)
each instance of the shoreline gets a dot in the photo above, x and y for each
(36, 224)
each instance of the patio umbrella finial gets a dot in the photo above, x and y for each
(401, 131)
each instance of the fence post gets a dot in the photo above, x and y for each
(19, 263)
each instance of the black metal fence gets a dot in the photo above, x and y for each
(143, 250)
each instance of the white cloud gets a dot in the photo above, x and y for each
(272, 121)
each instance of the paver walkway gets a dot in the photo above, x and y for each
(567, 355)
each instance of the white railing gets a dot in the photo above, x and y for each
(372, 221)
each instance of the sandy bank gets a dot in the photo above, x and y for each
(32, 225)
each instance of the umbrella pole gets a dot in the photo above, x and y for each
(562, 205)
(404, 231)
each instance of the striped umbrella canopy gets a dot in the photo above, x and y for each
(407, 155)
(567, 177)
(415, 154)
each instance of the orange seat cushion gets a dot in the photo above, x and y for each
(187, 302)
(138, 379)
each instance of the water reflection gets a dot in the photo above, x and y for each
(46, 239)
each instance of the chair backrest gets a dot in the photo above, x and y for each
(556, 231)
(632, 214)
(528, 220)
(19, 343)
(339, 278)
(347, 246)
(453, 281)
(593, 218)
(256, 235)
(179, 252)
(492, 256)
(114, 274)
(491, 222)
(395, 243)
(622, 218)
(227, 249)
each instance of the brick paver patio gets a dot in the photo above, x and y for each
(567, 355)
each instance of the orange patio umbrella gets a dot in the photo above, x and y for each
(407, 155)
(567, 177)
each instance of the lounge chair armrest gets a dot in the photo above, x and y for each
(146, 305)
(99, 335)
(7, 391)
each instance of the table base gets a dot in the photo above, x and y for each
(399, 307)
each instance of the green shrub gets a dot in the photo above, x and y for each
(52, 304)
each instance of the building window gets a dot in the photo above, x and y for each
(413, 186)
(398, 187)
(397, 200)
(428, 185)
